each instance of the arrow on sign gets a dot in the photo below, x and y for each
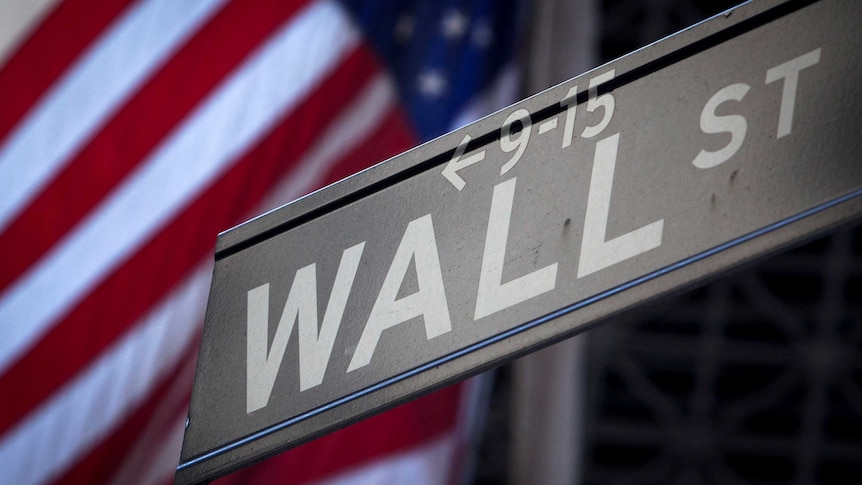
(451, 170)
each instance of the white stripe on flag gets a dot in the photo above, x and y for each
(81, 102)
(354, 125)
(68, 424)
(243, 107)
(429, 464)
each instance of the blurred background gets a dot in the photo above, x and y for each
(132, 132)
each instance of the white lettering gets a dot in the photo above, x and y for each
(570, 102)
(494, 295)
(594, 101)
(314, 348)
(456, 163)
(789, 71)
(736, 125)
(519, 144)
(596, 253)
(429, 301)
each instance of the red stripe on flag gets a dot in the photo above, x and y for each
(102, 461)
(130, 291)
(417, 422)
(137, 128)
(48, 52)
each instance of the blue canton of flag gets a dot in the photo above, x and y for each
(441, 54)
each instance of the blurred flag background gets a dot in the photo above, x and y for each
(131, 133)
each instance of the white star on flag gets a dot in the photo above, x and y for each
(432, 83)
(454, 24)
(482, 34)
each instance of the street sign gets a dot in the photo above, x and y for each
(649, 174)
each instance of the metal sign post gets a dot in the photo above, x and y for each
(644, 176)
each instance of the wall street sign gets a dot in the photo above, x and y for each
(698, 153)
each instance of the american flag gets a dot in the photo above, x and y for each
(131, 133)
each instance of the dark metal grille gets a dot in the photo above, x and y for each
(756, 378)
